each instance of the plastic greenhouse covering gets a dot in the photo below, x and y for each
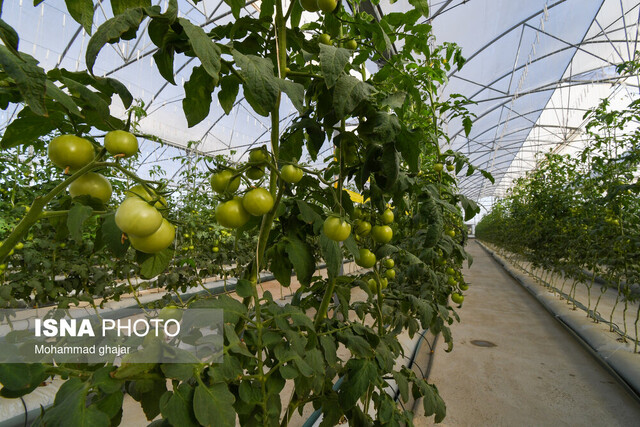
(533, 69)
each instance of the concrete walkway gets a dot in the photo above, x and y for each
(537, 374)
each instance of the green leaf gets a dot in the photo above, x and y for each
(229, 86)
(213, 406)
(65, 100)
(82, 12)
(331, 254)
(110, 86)
(110, 236)
(261, 87)
(408, 143)
(233, 309)
(148, 393)
(78, 214)
(110, 32)
(197, 100)
(28, 127)
(153, 264)
(119, 6)
(301, 256)
(9, 37)
(91, 99)
(403, 385)
(244, 288)
(362, 373)
(467, 123)
(310, 216)
(164, 61)
(352, 246)
(394, 100)
(236, 6)
(295, 92)
(205, 49)
(177, 406)
(280, 265)
(103, 380)
(422, 6)
(332, 62)
(18, 379)
(30, 79)
(390, 165)
(69, 408)
(349, 93)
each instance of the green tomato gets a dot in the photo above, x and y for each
(464, 286)
(389, 263)
(258, 201)
(438, 167)
(186, 235)
(254, 173)
(381, 233)
(291, 174)
(363, 229)
(221, 182)
(70, 151)
(373, 285)
(157, 241)
(351, 44)
(452, 281)
(118, 142)
(309, 5)
(384, 283)
(450, 233)
(137, 217)
(387, 216)
(450, 271)
(336, 229)
(451, 167)
(215, 249)
(457, 298)
(91, 184)
(139, 192)
(19, 246)
(258, 155)
(63, 245)
(325, 39)
(327, 6)
(390, 273)
(170, 312)
(367, 259)
(358, 213)
(2, 268)
(232, 214)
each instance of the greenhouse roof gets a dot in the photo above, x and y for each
(533, 69)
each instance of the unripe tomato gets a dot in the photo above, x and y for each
(258, 155)
(381, 233)
(384, 283)
(170, 312)
(325, 39)
(387, 216)
(70, 151)
(327, 6)
(451, 167)
(351, 44)
(336, 229)
(2, 268)
(452, 281)
(232, 214)
(464, 286)
(363, 228)
(215, 249)
(91, 184)
(457, 298)
(19, 246)
(358, 213)
(121, 142)
(291, 174)
(389, 263)
(309, 5)
(186, 235)
(450, 233)
(139, 192)
(221, 182)
(191, 247)
(450, 271)
(137, 217)
(156, 241)
(367, 259)
(63, 245)
(258, 201)
(254, 173)
(373, 285)
(438, 167)
(390, 273)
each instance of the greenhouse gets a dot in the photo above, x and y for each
(319, 212)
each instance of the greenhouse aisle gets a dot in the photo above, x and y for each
(535, 374)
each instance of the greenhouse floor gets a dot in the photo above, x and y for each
(534, 372)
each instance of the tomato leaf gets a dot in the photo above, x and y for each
(229, 86)
(301, 256)
(261, 87)
(119, 6)
(110, 235)
(9, 37)
(19, 379)
(295, 92)
(197, 101)
(349, 93)
(78, 214)
(280, 265)
(153, 264)
(206, 50)
(213, 406)
(70, 410)
(467, 123)
(244, 288)
(236, 6)
(65, 100)
(110, 32)
(30, 79)
(408, 143)
(82, 12)
(361, 373)
(332, 62)
(332, 255)
(28, 127)
(177, 406)
(422, 6)
(164, 60)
